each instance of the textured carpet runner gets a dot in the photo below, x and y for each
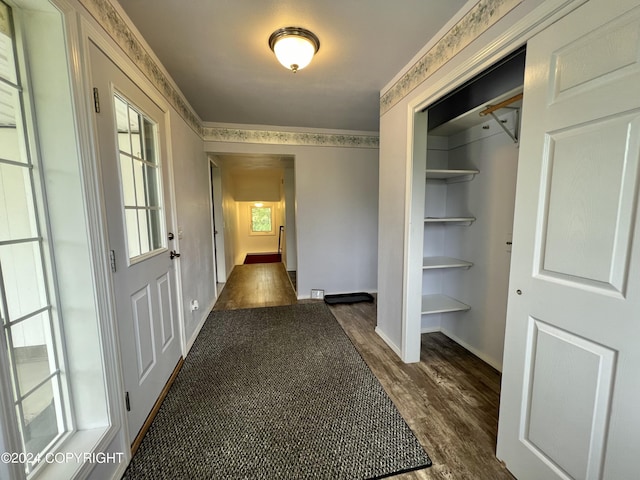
(276, 393)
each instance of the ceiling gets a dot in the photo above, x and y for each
(218, 54)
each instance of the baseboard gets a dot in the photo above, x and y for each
(192, 340)
(482, 356)
(431, 330)
(156, 407)
(389, 343)
(372, 292)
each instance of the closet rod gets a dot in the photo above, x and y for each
(500, 105)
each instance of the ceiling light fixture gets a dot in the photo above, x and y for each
(294, 47)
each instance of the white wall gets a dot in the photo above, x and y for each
(396, 164)
(336, 213)
(194, 221)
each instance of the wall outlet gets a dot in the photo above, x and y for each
(316, 293)
(194, 305)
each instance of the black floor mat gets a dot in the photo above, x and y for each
(348, 298)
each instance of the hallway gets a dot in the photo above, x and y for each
(256, 285)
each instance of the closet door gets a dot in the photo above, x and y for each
(569, 405)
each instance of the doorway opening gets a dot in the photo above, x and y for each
(253, 207)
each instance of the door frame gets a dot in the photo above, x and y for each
(115, 377)
(513, 38)
(217, 227)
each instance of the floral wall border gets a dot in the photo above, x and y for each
(110, 19)
(239, 135)
(112, 22)
(479, 19)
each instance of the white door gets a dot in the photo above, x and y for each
(133, 160)
(570, 404)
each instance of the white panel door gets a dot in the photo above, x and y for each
(132, 148)
(570, 386)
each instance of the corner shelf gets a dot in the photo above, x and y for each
(430, 263)
(441, 304)
(451, 176)
(451, 220)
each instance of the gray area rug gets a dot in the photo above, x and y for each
(276, 393)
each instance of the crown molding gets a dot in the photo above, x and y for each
(301, 138)
(479, 19)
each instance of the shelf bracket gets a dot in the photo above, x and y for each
(514, 135)
(492, 108)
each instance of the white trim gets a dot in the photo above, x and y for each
(96, 223)
(413, 237)
(176, 238)
(389, 343)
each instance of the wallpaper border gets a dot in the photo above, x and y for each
(239, 135)
(479, 19)
(482, 16)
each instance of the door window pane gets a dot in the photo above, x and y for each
(127, 179)
(141, 181)
(122, 125)
(133, 234)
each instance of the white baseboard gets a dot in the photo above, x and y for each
(482, 356)
(198, 328)
(431, 330)
(391, 345)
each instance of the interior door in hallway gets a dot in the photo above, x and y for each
(133, 160)
(570, 387)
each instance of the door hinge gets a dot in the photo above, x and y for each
(96, 100)
(126, 401)
(112, 260)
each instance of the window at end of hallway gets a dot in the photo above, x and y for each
(261, 219)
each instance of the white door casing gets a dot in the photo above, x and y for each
(145, 288)
(570, 385)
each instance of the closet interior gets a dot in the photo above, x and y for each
(470, 180)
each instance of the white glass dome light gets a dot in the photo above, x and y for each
(294, 47)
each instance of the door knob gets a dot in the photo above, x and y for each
(171, 237)
(173, 254)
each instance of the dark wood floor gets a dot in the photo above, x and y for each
(449, 399)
